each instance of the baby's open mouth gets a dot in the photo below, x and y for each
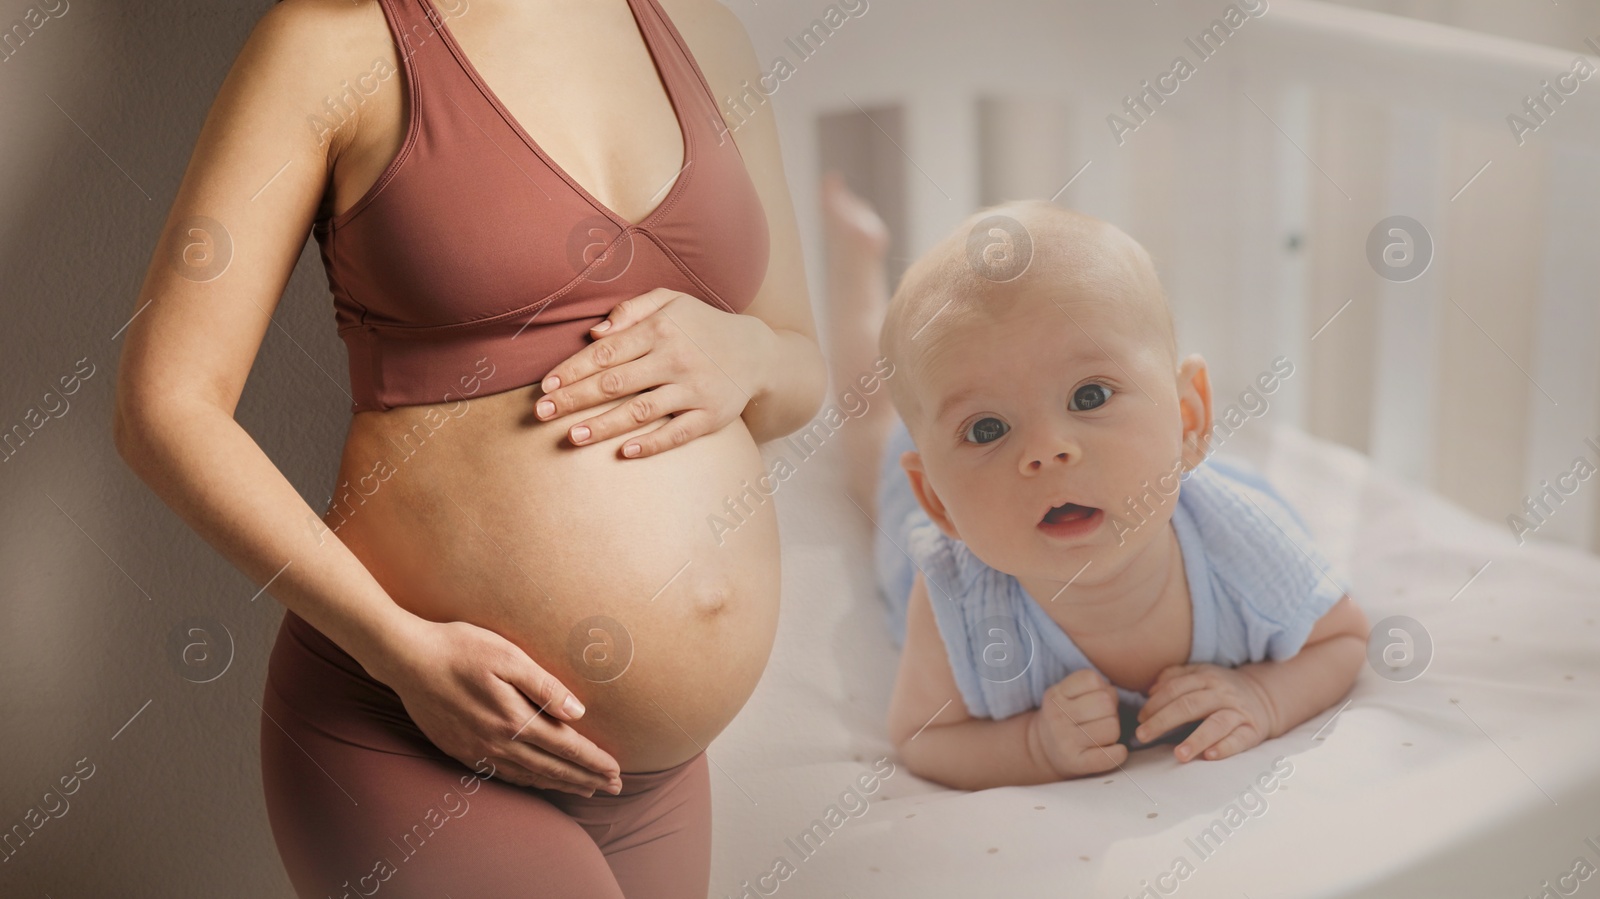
(1068, 512)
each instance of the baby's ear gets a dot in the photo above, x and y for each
(911, 462)
(1194, 401)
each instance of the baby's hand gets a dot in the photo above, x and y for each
(1237, 712)
(1076, 729)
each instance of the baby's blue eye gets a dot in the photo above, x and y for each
(1090, 396)
(986, 430)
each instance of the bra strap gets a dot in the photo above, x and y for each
(416, 31)
(678, 63)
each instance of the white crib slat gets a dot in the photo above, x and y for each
(1270, 310)
(1101, 189)
(942, 163)
(1566, 361)
(1253, 306)
(1023, 146)
(1293, 214)
(1205, 281)
(1403, 398)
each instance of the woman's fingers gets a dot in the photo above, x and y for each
(623, 375)
(677, 431)
(589, 375)
(553, 750)
(617, 343)
(634, 309)
(478, 696)
(511, 772)
(638, 411)
(570, 755)
(540, 687)
(545, 692)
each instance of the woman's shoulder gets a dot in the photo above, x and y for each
(324, 26)
(313, 51)
(718, 41)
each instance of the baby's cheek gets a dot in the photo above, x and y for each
(995, 531)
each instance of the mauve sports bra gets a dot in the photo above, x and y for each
(474, 264)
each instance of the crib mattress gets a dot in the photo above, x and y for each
(1480, 777)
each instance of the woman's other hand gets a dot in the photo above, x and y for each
(478, 696)
(703, 364)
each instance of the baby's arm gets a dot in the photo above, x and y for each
(1076, 734)
(1245, 705)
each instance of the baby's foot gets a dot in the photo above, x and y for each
(851, 224)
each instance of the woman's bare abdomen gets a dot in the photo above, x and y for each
(629, 580)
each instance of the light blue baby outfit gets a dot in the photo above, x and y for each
(1257, 583)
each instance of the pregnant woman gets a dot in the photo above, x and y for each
(512, 632)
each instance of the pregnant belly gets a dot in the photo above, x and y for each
(632, 581)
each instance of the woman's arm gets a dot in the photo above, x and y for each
(192, 343)
(256, 176)
(797, 377)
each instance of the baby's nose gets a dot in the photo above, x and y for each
(1047, 449)
(1060, 456)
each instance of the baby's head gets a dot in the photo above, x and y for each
(1058, 389)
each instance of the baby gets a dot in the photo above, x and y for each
(1065, 589)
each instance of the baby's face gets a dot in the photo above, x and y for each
(1041, 427)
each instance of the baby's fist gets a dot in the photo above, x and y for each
(1075, 731)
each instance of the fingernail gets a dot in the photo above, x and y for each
(580, 434)
(614, 789)
(572, 706)
(602, 326)
(631, 449)
(1140, 733)
(550, 384)
(546, 407)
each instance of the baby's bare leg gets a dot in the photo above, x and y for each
(857, 295)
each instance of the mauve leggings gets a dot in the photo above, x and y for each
(363, 804)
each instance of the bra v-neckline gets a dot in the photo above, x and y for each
(678, 180)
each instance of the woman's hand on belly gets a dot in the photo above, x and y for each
(704, 364)
(479, 697)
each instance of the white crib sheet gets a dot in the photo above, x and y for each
(1479, 778)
